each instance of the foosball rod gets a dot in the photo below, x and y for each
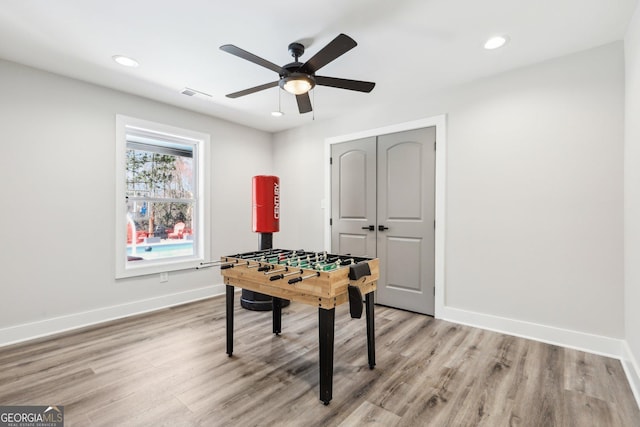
(259, 256)
(263, 252)
(311, 266)
(266, 258)
(261, 264)
(300, 279)
(221, 263)
(283, 275)
(310, 259)
(242, 257)
(333, 265)
(269, 273)
(278, 258)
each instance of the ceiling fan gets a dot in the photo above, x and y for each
(298, 78)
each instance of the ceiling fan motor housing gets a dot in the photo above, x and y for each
(296, 50)
(294, 75)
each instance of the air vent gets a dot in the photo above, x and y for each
(190, 92)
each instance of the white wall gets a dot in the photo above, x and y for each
(57, 157)
(534, 195)
(534, 190)
(632, 198)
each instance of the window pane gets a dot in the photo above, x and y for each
(163, 218)
(158, 175)
(158, 230)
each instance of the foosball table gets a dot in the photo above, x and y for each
(314, 278)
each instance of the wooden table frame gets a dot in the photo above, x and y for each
(326, 292)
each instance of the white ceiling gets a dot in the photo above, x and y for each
(408, 47)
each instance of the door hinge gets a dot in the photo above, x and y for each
(330, 221)
(330, 160)
(434, 224)
(434, 145)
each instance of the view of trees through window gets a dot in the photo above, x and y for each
(160, 200)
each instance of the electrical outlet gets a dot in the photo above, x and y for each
(164, 276)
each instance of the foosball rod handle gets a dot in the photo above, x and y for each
(300, 279)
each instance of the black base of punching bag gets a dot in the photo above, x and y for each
(254, 300)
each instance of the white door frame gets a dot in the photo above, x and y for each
(440, 122)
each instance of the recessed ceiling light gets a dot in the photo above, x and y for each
(126, 61)
(495, 42)
(277, 113)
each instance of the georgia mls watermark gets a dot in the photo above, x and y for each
(32, 416)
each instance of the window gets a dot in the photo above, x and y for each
(161, 217)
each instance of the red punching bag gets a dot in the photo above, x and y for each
(266, 204)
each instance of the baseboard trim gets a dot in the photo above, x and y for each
(597, 344)
(29, 331)
(632, 369)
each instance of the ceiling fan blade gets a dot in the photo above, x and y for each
(357, 85)
(241, 53)
(338, 46)
(304, 103)
(252, 90)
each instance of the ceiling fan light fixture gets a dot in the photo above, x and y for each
(297, 83)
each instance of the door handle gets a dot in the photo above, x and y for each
(369, 227)
(382, 228)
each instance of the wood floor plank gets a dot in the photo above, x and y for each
(368, 414)
(170, 368)
(582, 410)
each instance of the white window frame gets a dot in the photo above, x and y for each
(202, 244)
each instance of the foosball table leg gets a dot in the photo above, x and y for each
(230, 292)
(277, 315)
(371, 337)
(326, 327)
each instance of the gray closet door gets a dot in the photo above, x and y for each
(353, 197)
(406, 218)
(387, 183)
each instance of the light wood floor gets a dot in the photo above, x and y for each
(170, 368)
